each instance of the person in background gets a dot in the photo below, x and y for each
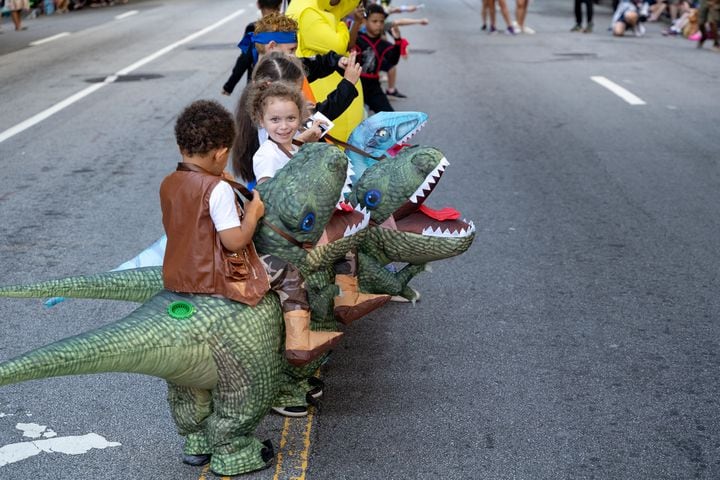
(246, 60)
(520, 14)
(505, 14)
(394, 26)
(630, 14)
(588, 15)
(709, 13)
(16, 8)
(375, 52)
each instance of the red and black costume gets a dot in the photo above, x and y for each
(376, 54)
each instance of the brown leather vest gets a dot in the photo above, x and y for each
(195, 259)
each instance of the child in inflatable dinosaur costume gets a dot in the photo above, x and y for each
(209, 249)
(223, 357)
(321, 30)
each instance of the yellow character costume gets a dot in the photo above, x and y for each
(321, 30)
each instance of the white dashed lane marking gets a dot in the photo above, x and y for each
(621, 92)
(49, 39)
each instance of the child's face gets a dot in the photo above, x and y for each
(286, 48)
(375, 24)
(281, 119)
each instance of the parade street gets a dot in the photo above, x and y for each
(577, 338)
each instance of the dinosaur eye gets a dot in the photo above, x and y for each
(372, 199)
(308, 222)
(378, 137)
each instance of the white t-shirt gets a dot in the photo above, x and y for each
(269, 159)
(223, 212)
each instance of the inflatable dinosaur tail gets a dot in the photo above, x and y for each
(153, 340)
(136, 285)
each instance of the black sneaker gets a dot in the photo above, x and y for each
(268, 452)
(317, 387)
(196, 460)
(295, 411)
(395, 93)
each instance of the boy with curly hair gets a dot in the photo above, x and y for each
(209, 238)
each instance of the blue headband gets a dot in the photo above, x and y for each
(264, 38)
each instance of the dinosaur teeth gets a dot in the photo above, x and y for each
(413, 133)
(439, 232)
(348, 182)
(353, 229)
(430, 180)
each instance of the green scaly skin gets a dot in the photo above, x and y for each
(315, 265)
(223, 364)
(397, 234)
(137, 285)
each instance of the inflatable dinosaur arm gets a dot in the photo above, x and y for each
(375, 278)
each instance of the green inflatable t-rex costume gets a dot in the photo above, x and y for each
(222, 360)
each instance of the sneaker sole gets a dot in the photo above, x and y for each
(285, 413)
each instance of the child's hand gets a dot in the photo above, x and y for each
(353, 69)
(313, 133)
(255, 208)
(359, 14)
(424, 21)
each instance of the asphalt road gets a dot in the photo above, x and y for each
(576, 339)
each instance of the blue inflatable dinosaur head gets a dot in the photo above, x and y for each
(378, 134)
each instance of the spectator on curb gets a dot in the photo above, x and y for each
(630, 14)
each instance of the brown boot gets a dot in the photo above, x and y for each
(303, 345)
(351, 304)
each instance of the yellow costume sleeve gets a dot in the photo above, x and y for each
(319, 32)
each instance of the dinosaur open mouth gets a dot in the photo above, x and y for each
(345, 222)
(415, 217)
(402, 143)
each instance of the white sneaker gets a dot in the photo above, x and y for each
(639, 30)
(516, 27)
(528, 31)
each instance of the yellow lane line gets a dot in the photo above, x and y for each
(283, 442)
(306, 451)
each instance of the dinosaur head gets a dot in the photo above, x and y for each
(380, 134)
(394, 191)
(300, 201)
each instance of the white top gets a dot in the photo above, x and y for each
(269, 159)
(223, 212)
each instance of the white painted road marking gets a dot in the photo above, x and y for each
(74, 445)
(34, 120)
(49, 39)
(33, 430)
(618, 90)
(127, 14)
